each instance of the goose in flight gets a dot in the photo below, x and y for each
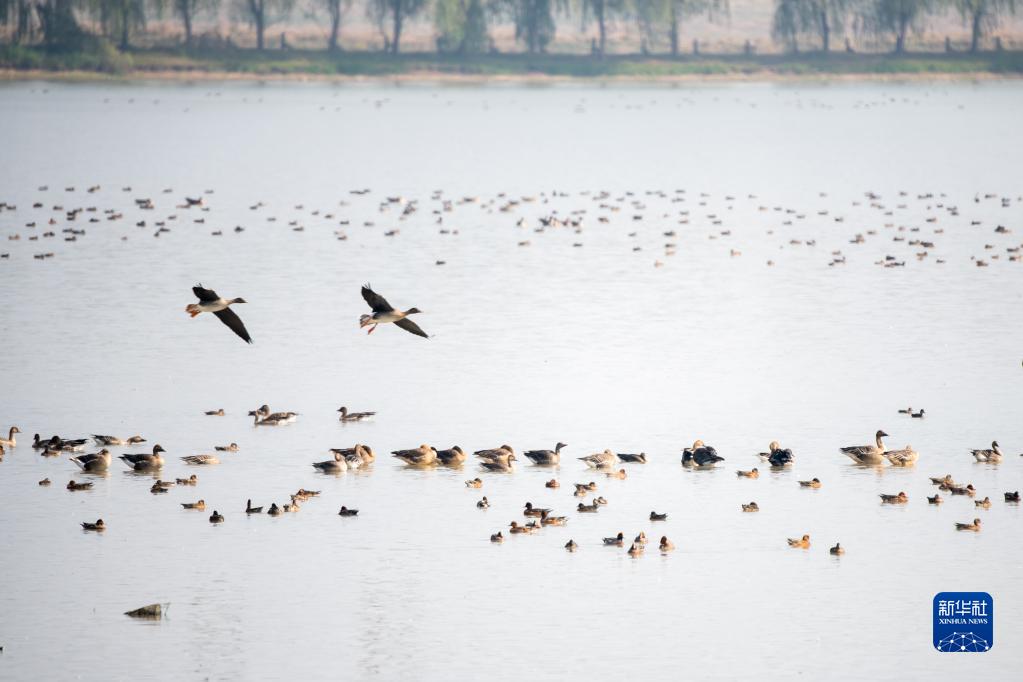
(210, 302)
(384, 312)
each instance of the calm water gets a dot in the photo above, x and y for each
(592, 345)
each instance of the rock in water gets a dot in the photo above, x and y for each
(150, 611)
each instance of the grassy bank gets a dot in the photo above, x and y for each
(104, 59)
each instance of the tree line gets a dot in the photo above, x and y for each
(463, 26)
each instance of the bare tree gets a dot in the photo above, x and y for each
(600, 11)
(895, 17)
(186, 10)
(983, 15)
(396, 11)
(336, 10)
(263, 13)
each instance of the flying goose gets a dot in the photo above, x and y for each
(145, 461)
(600, 460)
(867, 454)
(546, 457)
(424, 455)
(994, 455)
(700, 455)
(384, 312)
(902, 458)
(97, 461)
(210, 302)
(347, 416)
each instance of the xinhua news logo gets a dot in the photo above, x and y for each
(964, 622)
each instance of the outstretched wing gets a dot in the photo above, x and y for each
(411, 327)
(228, 317)
(377, 302)
(204, 295)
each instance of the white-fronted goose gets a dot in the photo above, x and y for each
(210, 302)
(424, 455)
(95, 462)
(867, 454)
(546, 457)
(453, 456)
(993, 456)
(201, 459)
(495, 454)
(500, 465)
(333, 466)
(902, 458)
(384, 312)
(600, 460)
(145, 461)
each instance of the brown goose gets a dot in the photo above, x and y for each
(210, 302)
(384, 312)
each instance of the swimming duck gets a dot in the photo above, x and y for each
(501, 453)
(547, 520)
(79, 486)
(812, 483)
(1012, 497)
(867, 454)
(98, 526)
(497, 537)
(666, 545)
(946, 480)
(571, 545)
(777, 456)
(216, 517)
(546, 457)
(304, 494)
(10, 441)
(95, 462)
(200, 505)
(502, 465)
(483, 504)
(332, 466)
(975, 526)
(588, 507)
(983, 504)
(530, 510)
(114, 440)
(160, 487)
(50, 452)
(347, 416)
(46, 482)
(474, 483)
(917, 415)
(654, 516)
(191, 480)
(700, 455)
(968, 489)
(2, 451)
(274, 510)
(751, 507)
(584, 488)
(635, 550)
(355, 457)
(908, 410)
(210, 302)
(752, 473)
(901, 498)
(144, 461)
(201, 460)
(617, 540)
(293, 506)
(640, 539)
(994, 455)
(424, 455)
(233, 447)
(937, 499)
(215, 413)
(384, 312)
(345, 511)
(600, 459)
(902, 458)
(802, 543)
(553, 483)
(249, 509)
(634, 458)
(599, 500)
(620, 474)
(837, 550)
(453, 456)
(515, 528)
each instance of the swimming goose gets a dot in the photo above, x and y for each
(600, 460)
(634, 458)
(546, 457)
(867, 454)
(591, 508)
(474, 483)
(114, 440)
(751, 507)
(98, 526)
(654, 516)
(530, 510)
(483, 504)
(571, 545)
(495, 454)
(937, 499)
(345, 511)
(10, 441)
(1012, 497)
(200, 505)
(975, 526)
(384, 312)
(191, 480)
(347, 416)
(216, 517)
(332, 466)
(983, 504)
(994, 455)
(752, 473)
(497, 537)
(145, 461)
(210, 302)
(71, 485)
(249, 509)
(812, 483)
(553, 483)
(666, 544)
(802, 543)
(356, 456)
(617, 540)
(215, 413)
(700, 455)
(424, 455)
(635, 550)
(453, 456)
(620, 474)
(258, 419)
(902, 458)
(233, 447)
(837, 550)
(500, 465)
(285, 417)
(201, 459)
(98, 461)
(901, 498)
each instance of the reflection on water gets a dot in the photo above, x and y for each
(590, 345)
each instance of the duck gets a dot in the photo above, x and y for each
(902, 458)
(346, 416)
(384, 312)
(497, 537)
(993, 456)
(1012, 497)
(752, 473)
(530, 510)
(584, 488)
(10, 441)
(249, 509)
(98, 526)
(95, 462)
(233, 447)
(867, 454)
(215, 413)
(45, 482)
(600, 460)
(545, 457)
(216, 517)
(553, 483)
(777, 456)
(72, 485)
(700, 455)
(474, 483)
(191, 480)
(617, 540)
(2, 451)
(160, 487)
(901, 498)
(908, 410)
(345, 511)
(200, 505)
(620, 474)
(968, 489)
(751, 507)
(114, 440)
(453, 456)
(201, 460)
(975, 526)
(983, 504)
(50, 452)
(495, 454)
(666, 545)
(424, 455)
(640, 539)
(294, 506)
(802, 543)
(514, 528)
(332, 466)
(282, 417)
(654, 516)
(946, 480)
(142, 462)
(210, 302)
(812, 483)
(590, 508)
(304, 494)
(571, 545)
(547, 520)
(917, 415)
(600, 500)
(633, 458)
(274, 510)
(837, 550)
(937, 499)
(635, 550)
(500, 465)
(483, 504)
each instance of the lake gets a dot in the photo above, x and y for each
(714, 288)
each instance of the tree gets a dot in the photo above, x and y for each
(817, 17)
(787, 23)
(983, 15)
(58, 23)
(119, 18)
(336, 9)
(397, 11)
(600, 11)
(186, 10)
(262, 13)
(897, 17)
(461, 26)
(656, 15)
(18, 13)
(534, 22)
